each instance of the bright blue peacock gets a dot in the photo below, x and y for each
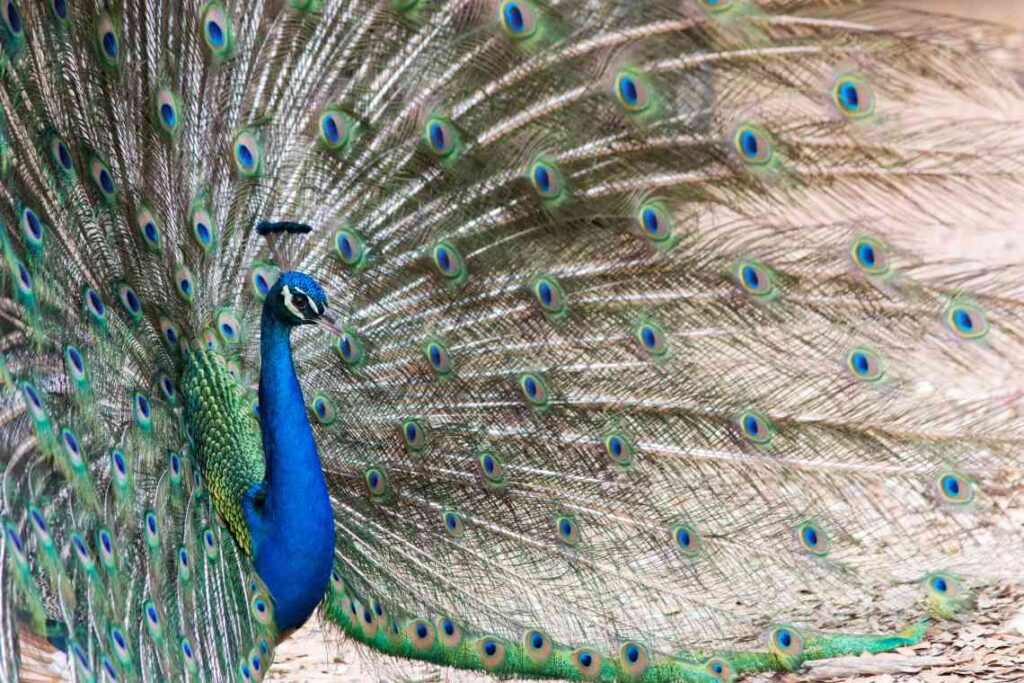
(635, 375)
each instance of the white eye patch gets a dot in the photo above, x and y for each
(289, 304)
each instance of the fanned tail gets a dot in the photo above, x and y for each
(641, 377)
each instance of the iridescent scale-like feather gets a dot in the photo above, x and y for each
(641, 379)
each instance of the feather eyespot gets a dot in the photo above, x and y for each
(152, 617)
(686, 539)
(491, 652)
(587, 662)
(61, 156)
(549, 295)
(812, 538)
(82, 551)
(967, 321)
(491, 469)
(634, 658)
(865, 365)
(15, 539)
(248, 154)
(454, 523)
(537, 645)
(755, 279)
(756, 427)
(105, 542)
(12, 19)
(518, 18)
(369, 622)
(169, 332)
(619, 449)
(118, 467)
(651, 338)
(567, 530)
(204, 228)
(720, 669)
(94, 305)
(261, 608)
(148, 227)
(175, 467)
(166, 385)
(262, 277)
(632, 90)
(654, 221)
(210, 544)
(853, 96)
(31, 227)
(184, 570)
(188, 656)
(349, 348)
(75, 364)
(335, 129)
(787, 642)
(337, 583)
(218, 30)
(448, 261)
(535, 390)
(165, 110)
(108, 41)
(109, 669)
(438, 357)
(546, 180)
(954, 488)
(119, 643)
(415, 435)
(34, 401)
(129, 301)
(324, 410)
(103, 180)
(184, 282)
(440, 136)
(349, 247)
(72, 448)
(449, 632)
(376, 483)
(152, 531)
(421, 634)
(228, 326)
(942, 585)
(23, 280)
(39, 526)
(753, 145)
(143, 411)
(870, 255)
(82, 663)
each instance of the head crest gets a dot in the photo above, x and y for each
(274, 232)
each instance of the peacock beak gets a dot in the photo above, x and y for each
(329, 322)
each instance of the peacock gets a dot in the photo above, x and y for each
(591, 340)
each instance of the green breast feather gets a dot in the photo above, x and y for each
(226, 436)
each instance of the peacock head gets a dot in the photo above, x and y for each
(298, 299)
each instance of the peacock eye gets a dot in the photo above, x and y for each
(300, 300)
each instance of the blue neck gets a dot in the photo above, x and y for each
(293, 528)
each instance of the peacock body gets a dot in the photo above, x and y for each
(635, 376)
